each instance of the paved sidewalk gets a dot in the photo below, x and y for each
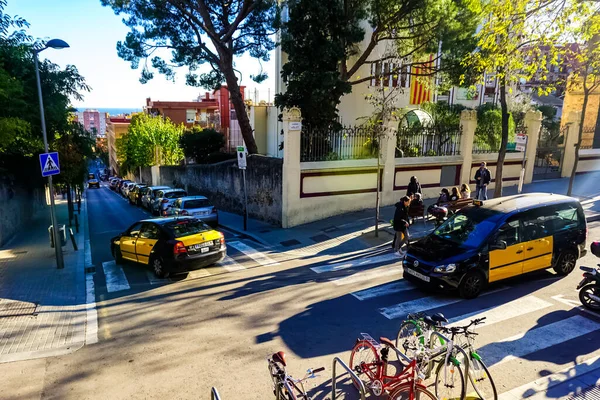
(42, 308)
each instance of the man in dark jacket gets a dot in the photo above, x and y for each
(414, 187)
(483, 177)
(401, 225)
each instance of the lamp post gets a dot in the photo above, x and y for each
(52, 44)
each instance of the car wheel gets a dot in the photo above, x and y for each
(117, 255)
(158, 266)
(471, 285)
(566, 262)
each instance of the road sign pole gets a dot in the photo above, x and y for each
(245, 201)
(522, 175)
(57, 242)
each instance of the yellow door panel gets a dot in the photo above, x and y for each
(538, 254)
(128, 247)
(506, 263)
(143, 247)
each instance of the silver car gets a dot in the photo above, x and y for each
(198, 207)
(149, 195)
(164, 200)
(126, 188)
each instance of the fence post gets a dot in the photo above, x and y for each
(388, 161)
(570, 141)
(291, 164)
(533, 124)
(468, 123)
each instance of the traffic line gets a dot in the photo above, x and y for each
(502, 312)
(423, 304)
(367, 275)
(154, 280)
(230, 264)
(573, 303)
(359, 262)
(198, 273)
(538, 339)
(254, 254)
(87, 254)
(115, 277)
(91, 328)
(384, 290)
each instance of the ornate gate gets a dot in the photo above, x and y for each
(548, 156)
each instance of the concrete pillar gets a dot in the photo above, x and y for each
(290, 196)
(388, 162)
(155, 171)
(571, 136)
(468, 123)
(533, 125)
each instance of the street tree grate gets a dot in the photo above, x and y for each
(589, 393)
(14, 308)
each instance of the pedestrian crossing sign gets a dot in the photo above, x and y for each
(49, 164)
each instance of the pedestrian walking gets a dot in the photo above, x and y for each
(483, 177)
(465, 191)
(401, 225)
(414, 187)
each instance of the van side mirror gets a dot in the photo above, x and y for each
(498, 245)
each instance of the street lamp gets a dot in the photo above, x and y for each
(51, 44)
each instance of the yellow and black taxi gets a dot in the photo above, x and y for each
(497, 239)
(170, 245)
(94, 183)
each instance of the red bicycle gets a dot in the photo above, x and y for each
(372, 370)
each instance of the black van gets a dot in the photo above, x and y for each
(497, 239)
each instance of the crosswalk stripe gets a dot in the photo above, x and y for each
(383, 290)
(502, 312)
(537, 339)
(154, 280)
(367, 275)
(359, 262)
(254, 254)
(423, 304)
(230, 264)
(198, 273)
(115, 277)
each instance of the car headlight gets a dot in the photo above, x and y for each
(445, 269)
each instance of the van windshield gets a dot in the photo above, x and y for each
(468, 228)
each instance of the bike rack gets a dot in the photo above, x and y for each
(460, 349)
(337, 360)
(214, 394)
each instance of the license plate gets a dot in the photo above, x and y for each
(201, 245)
(204, 250)
(418, 275)
(202, 213)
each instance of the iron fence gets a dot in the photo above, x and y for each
(422, 141)
(587, 141)
(344, 143)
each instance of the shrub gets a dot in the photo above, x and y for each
(200, 143)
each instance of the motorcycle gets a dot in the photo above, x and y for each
(589, 287)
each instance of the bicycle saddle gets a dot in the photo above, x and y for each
(439, 317)
(428, 320)
(279, 357)
(387, 342)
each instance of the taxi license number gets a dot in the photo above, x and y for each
(417, 274)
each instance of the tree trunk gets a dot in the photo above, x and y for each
(240, 108)
(69, 202)
(504, 142)
(586, 96)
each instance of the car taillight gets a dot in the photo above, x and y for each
(222, 238)
(179, 248)
(184, 212)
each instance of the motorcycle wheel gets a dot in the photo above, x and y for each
(586, 300)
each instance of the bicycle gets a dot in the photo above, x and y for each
(285, 387)
(366, 361)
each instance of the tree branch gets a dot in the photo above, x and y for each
(247, 8)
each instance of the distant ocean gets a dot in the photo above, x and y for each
(111, 111)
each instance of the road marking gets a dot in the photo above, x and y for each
(384, 290)
(91, 327)
(254, 254)
(538, 339)
(198, 273)
(367, 275)
(573, 303)
(115, 277)
(359, 262)
(154, 280)
(88, 254)
(423, 304)
(502, 312)
(230, 264)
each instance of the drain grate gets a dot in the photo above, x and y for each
(14, 308)
(288, 243)
(589, 393)
(320, 238)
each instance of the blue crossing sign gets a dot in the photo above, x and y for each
(49, 164)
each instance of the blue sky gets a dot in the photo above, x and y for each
(92, 31)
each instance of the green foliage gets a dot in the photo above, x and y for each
(149, 141)
(488, 134)
(201, 143)
(443, 114)
(74, 147)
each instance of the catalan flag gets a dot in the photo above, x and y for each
(420, 91)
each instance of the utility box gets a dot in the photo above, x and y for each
(62, 232)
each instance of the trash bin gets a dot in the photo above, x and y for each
(62, 232)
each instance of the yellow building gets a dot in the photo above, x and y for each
(574, 102)
(115, 128)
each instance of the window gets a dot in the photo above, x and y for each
(190, 116)
(134, 231)
(468, 229)
(196, 203)
(150, 231)
(509, 232)
(174, 195)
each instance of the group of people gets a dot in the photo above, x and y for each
(414, 198)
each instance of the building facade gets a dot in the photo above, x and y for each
(115, 128)
(93, 121)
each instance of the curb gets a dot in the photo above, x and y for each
(91, 319)
(247, 234)
(593, 218)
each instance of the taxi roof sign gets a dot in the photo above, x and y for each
(477, 202)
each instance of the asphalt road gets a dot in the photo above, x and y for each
(177, 338)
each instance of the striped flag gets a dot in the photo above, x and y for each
(420, 92)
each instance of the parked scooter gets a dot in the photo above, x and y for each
(589, 287)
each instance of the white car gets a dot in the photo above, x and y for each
(149, 195)
(197, 207)
(126, 188)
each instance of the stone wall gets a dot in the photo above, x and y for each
(17, 207)
(222, 184)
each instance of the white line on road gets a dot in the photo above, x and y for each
(367, 275)
(254, 254)
(88, 254)
(91, 329)
(359, 262)
(115, 277)
(573, 303)
(538, 339)
(198, 273)
(384, 290)
(154, 280)
(230, 264)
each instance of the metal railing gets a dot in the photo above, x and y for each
(344, 143)
(423, 141)
(353, 376)
(214, 394)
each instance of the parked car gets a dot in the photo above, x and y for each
(134, 193)
(170, 245)
(164, 200)
(91, 176)
(197, 207)
(125, 188)
(120, 185)
(149, 195)
(112, 183)
(93, 183)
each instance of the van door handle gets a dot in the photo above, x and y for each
(529, 248)
(519, 252)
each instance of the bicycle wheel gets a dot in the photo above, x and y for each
(407, 340)
(365, 362)
(449, 381)
(482, 380)
(406, 392)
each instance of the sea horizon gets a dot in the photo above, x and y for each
(112, 110)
